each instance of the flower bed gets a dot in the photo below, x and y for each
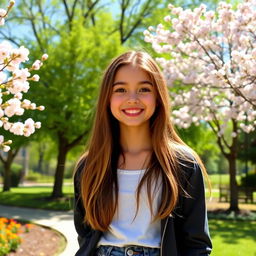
(10, 231)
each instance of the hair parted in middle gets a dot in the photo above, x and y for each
(99, 187)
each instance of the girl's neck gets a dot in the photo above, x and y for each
(134, 140)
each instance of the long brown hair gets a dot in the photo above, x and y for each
(99, 187)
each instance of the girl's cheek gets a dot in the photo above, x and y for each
(116, 102)
(117, 99)
(149, 98)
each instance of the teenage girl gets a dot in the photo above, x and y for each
(139, 189)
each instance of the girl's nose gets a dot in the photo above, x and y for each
(133, 98)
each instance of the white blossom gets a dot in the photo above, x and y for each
(214, 56)
(14, 84)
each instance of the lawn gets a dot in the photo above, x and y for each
(223, 179)
(230, 238)
(38, 197)
(233, 238)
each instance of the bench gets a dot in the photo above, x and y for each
(244, 193)
(224, 193)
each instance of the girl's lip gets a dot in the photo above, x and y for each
(132, 111)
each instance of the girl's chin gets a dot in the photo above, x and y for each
(134, 124)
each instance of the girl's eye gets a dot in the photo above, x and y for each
(145, 89)
(119, 90)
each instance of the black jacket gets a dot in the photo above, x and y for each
(185, 233)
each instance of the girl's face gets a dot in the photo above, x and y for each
(133, 99)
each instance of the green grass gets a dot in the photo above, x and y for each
(233, 238)
(222, 179)
(38, 197)
(230, 238)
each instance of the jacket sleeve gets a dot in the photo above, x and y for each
(191, 223)
(82, 229)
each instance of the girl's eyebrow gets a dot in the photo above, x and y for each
(141, 82)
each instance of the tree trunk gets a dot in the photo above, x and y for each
(233, 185)
(63, 149)
(60, 168)
(7, 175)
(7, 168)
(41, 151)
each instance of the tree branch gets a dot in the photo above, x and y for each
(218, 140)
(77, 139)
(9, 38)
(41, 12)
(31, 19)
(2, 159)
(73, 9)
(67, 10)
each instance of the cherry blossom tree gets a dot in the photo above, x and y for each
(209, 61)
(14, 81)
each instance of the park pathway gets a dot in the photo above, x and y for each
(59, 220)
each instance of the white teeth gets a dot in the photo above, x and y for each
(132, 111)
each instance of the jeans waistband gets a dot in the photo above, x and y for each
(127, 251)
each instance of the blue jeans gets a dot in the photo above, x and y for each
(127, 251)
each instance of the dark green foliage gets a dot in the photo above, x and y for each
(249, 180)
(16, 175)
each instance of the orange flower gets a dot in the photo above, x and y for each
(9, 235)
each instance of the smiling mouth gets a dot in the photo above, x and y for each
(132, 112)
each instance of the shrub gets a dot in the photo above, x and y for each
(16, 174)
(33, 176)
(249, 180)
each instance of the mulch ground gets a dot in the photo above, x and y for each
(214, 204)
(40, 241)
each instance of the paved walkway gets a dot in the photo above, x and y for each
(59, 220)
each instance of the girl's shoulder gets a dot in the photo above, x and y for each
(183, 152)
(187, 159)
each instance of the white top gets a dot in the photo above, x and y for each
(124, 230)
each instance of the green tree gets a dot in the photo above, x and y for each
(80, 37)
(69, 85)
(206, 146)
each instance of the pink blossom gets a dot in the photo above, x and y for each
(29, 127)
(38, 125)
(13, 107)
(33, 106)
(12, 67)
(201, 58)
(41, 108)
(6, 148)
(19, 112)
(26, 103)
(18, 86)
(1, 139)
(167, 18)
(36, 65)
(44, 57)
(18, 95)
(3, 77)
(17, 128)
(21, 74)
(2, 21)
(5, 50)
(21, 55)
(1, 113)
(3, 13)
(7, 126)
